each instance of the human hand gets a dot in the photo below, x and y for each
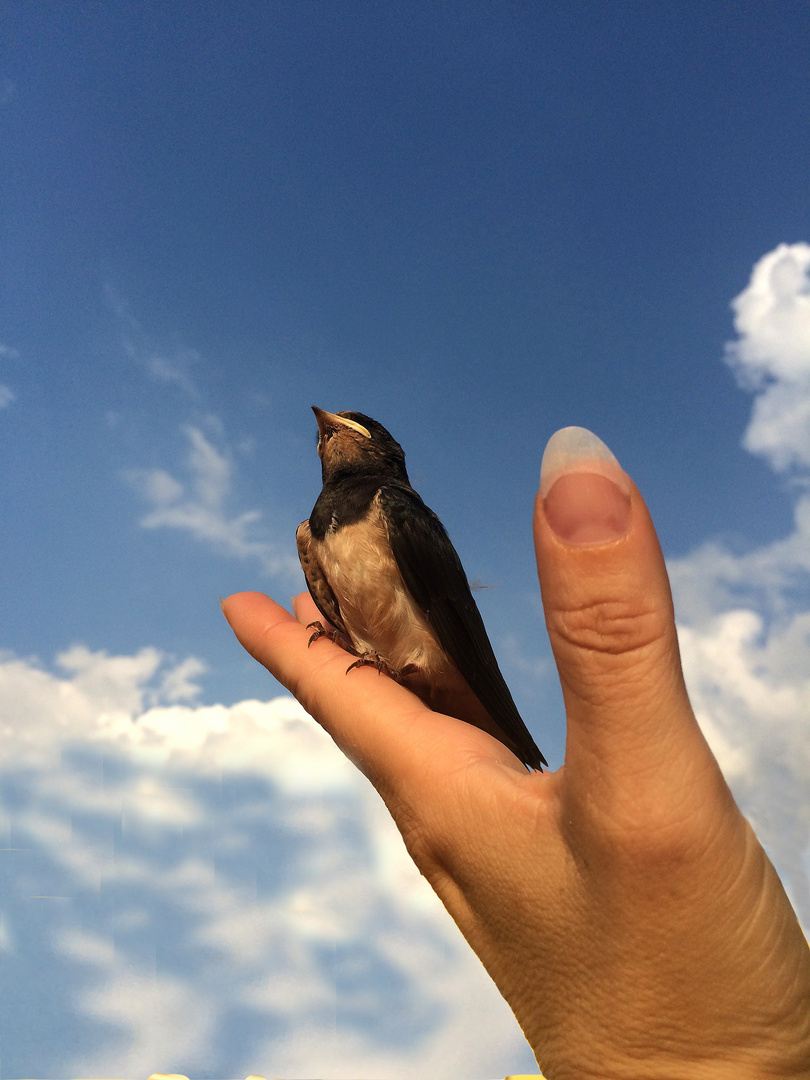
(622, 905)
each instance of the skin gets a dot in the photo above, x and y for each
(622, 904)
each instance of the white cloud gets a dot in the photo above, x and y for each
(97, 701)
(178, 683)
(773, 579)
(156, 486)
(173, 365)
(198, 504)
(750, 688)
(258, 903)
(771, 355)
(7, 395)
(237, 897)
(166, 1019)
(175, 369)
(744, 618)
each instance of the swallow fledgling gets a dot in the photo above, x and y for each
(382, 571)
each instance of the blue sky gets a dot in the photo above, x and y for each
(476, 223)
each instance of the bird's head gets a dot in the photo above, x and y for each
(352, 444)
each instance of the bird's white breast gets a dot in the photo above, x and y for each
(375, 606)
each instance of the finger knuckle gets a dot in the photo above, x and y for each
(608, 626)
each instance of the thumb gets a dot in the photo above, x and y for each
(609, 613)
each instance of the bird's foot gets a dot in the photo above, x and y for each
(366, 659)
(372, 659)
(319, 630)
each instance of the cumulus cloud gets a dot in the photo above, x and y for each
(771, 355)
(213, 890)
(198, 503)
(744, 617)
(217, 892)
(750, 687)
(93, 702)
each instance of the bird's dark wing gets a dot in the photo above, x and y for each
(434, 576)
(319, 588)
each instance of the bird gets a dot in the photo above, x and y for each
(384, 575)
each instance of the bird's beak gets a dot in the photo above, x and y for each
(332, 421)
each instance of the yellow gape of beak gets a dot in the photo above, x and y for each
(335, 418)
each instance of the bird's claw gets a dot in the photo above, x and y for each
(372, 659)
(366, 659)
(321, 631)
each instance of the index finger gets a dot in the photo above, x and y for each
(381, 726)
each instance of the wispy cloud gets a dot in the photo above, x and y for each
(744, 619)
(196, 498)
(198, 503)
(7, 395)
(175, 365)
(176, 368)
